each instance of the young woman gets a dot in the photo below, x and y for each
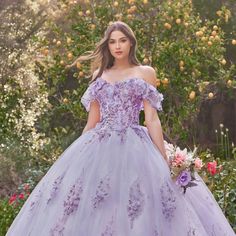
(114, 179)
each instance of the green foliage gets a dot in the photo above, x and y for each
(222, 184)
(7, 214)
(187, 53)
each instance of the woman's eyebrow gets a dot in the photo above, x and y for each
(119, 38)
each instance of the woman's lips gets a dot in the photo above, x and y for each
(118, 53)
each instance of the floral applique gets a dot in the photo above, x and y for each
(71, 204)
(191, 232)
(136, 202)
(103, 134)
(102, 192)
(168, 201)
(109, 230)
(55, 187)
(120, 105)
(155, 232)
(36, 199)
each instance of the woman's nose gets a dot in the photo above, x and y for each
(117, 45)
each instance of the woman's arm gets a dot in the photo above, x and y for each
(93, 116)
(152, 120)
(94, 112)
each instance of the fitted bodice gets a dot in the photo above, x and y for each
(121, 102)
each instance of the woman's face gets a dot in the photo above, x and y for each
(119, 45)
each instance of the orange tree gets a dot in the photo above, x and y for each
(187, 53)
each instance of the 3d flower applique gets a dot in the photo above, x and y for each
(70, 205)
(109, 229)
(55, 187)
(168, 201)
(191, 232)
(36, 198)
(102, 192)
(58, 230)
(74, 197)
(155, 233)
(136, 202)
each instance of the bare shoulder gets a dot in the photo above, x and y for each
(95, 73)
(148, 74)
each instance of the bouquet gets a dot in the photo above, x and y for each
(183, 165)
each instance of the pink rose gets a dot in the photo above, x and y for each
(12, 198)
(179, 159)
(21, 196)
(198, 163)
(211, 167)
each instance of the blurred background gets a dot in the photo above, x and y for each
(190, 43)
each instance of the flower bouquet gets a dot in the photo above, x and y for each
(183, 165)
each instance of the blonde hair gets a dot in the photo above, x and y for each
(101, 55)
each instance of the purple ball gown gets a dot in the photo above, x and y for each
(113, 181)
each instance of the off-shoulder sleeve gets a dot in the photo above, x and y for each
(154, 97)
(89, 96)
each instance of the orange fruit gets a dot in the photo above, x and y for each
(209, 43)
(178, 21)
(181, 63)
(167, 25)
(58, 43)
(81, 73)
(229, 82)
(210, 95)
(192, 95)
(69, 55)
(223, 62)
(78, 65)
(145, 60)
(213, 33)
(65, 100)
(234, 41)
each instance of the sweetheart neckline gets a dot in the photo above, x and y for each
(126, 80)
(121, 81)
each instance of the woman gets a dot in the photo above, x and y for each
(114, 179)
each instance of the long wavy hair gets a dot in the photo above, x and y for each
(101, 56)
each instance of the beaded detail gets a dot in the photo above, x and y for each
(136, 202)
(109, 230)
(71, 204)
(117, 109)
(102, 192)
(55, 187)
(168, 201)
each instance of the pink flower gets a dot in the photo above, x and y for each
(12, 198)
(21, 196)
(180, 157)
(198, 163)
(26, 187)
(211, 167)
(220, 168)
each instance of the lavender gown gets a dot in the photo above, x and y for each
(113, 181)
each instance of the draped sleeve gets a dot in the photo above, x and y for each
(89, 96)
(151, 94)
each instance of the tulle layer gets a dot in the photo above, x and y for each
(108, 187)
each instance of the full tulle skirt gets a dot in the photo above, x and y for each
(117, 186)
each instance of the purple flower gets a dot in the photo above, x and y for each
(184, 178)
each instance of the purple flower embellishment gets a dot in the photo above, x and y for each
(184, 178)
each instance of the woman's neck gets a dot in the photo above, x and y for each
(121, 65)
